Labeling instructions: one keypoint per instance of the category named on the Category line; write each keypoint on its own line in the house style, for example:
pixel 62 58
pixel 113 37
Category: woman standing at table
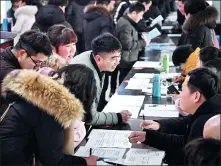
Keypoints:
pixel 198 29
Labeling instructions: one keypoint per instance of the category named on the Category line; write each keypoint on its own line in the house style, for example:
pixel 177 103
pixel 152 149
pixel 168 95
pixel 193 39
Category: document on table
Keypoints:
pixel 143 76
pixel 137 84
pixel 127 100
pixel 156 110
pixel 147 64
pixel 156 20
pixel 134 110
pixel 151 35
pixel 149 91
pixel 141 157
pixel 109 139
pixel 109 153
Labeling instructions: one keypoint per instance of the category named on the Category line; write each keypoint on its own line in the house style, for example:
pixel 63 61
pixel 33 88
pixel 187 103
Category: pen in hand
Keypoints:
pixel 90 151
pixel 143 117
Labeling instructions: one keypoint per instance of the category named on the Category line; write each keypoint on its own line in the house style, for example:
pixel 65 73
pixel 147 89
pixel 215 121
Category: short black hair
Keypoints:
pixel 181 54
pixel 215 66
pixel 105 42
pixel 103 2
pixel 209 53
pixel 34 42
pixel 136 7
pixel 203 80
pixel 183 1
pixel 203 152
pixel 58 2
pixel 146 1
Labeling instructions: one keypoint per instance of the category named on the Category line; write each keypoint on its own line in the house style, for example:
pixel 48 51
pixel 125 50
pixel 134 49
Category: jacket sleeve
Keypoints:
pixel 174 125
pixel 163 141
pixel 19 24
pixel 101 118
pixel 50 140
pixel 127 41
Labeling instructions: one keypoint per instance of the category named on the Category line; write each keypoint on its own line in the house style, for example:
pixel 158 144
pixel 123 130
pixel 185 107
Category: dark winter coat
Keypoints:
pixel 131 44
pixel 75 14
pixel 198 29
pixel 97 20
pixel 37 122
pixel 175 133
pixel 48 16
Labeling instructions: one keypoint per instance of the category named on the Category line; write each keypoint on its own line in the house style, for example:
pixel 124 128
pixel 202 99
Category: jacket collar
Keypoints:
pixel 134 24
pixel 100 74
pixel 8 56
pixel 46 94
pixel 213 105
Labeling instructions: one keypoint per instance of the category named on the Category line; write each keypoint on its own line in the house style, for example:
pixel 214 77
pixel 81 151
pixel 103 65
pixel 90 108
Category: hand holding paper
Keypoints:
pixel 150 35
pixel 149 124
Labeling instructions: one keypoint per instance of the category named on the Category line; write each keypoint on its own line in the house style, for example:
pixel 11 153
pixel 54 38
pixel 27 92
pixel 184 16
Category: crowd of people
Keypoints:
pixel 55 77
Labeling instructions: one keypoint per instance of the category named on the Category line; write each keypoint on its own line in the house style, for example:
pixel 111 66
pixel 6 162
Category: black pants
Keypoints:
pixel 123 73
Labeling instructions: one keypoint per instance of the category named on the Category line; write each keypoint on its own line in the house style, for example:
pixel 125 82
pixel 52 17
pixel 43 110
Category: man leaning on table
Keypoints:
pixel 104 56
pixel 200 98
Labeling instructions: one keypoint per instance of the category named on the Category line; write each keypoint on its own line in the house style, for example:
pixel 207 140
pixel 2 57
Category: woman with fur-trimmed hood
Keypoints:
pixel 38 121
pixel 198 29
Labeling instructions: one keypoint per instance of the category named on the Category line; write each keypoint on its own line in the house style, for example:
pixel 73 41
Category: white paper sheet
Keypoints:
pixel 109 143
pixel 151 35
pixel 101 163
pixel 150 91
pixel 109 153
pixel 166 27
pixel 144 157
pixel 137 84
pixel 147 64
pixel 163 114
pixel 126 100
pixel 109 134
pixel 141 157
pixel 156 20
pixel 118 108
pixel 143 76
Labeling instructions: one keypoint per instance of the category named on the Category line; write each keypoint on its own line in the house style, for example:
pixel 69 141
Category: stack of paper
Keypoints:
pixel 146 64
pixel 119 103
pixel 137 84
pixel 157 110
pixel 109 139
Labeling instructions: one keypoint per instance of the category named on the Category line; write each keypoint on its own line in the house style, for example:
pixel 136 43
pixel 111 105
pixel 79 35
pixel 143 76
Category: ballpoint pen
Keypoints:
pixel 143 117
pixel 90 151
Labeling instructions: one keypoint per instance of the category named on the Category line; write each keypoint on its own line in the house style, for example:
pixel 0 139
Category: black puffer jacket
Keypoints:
pixel 97 20
pixel 36 122
pixel 198 29
pixel 48 16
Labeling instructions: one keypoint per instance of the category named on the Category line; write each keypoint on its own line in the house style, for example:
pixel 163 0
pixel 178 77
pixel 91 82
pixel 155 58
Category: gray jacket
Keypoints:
pixel 98 118
pixel 131 44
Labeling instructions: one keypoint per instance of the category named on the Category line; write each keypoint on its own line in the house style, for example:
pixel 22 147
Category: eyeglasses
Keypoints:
pixel 38 64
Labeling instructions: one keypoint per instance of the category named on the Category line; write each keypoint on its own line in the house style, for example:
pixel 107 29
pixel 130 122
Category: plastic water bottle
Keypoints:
pixel 166 63
pixel 156 86
pixel 5 24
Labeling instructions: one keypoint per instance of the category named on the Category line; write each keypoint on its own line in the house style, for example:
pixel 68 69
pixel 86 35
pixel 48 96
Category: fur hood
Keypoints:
pixel 98 9
pixel 45 93
pixel 26 10
pixel 206 17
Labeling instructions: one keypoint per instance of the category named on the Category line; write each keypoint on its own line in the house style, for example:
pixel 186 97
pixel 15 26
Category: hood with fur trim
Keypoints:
pixel 206 17
pixel 92 12
pixel 45 93
pixel 26 10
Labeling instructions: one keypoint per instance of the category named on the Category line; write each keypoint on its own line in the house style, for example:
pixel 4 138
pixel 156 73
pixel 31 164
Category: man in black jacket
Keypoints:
pixel 200 99
pixel 31 51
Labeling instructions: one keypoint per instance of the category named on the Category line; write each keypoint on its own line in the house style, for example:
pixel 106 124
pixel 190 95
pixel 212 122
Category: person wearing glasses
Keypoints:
pixel 31 52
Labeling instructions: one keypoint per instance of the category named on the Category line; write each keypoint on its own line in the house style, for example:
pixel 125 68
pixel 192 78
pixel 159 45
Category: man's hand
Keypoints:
pixel 149 124
pixel 137 136
pixel 125 116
